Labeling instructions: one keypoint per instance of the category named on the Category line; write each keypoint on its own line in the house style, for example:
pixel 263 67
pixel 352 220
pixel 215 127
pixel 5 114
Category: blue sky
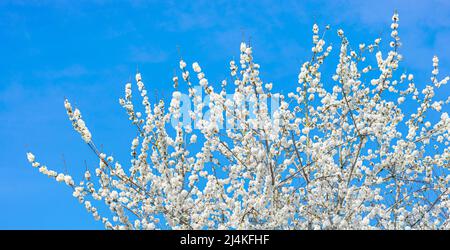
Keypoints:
pixel 87 50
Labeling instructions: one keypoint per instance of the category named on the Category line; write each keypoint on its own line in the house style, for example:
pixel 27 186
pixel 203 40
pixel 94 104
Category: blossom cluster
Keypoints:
pixel 362 148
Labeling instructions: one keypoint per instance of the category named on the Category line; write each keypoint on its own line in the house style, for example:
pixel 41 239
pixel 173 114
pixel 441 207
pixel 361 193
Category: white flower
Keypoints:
pixel 81 124
pixel 30 157
pixel 193 138
pixel 88 205
pixel 138 77
pixel 87 175
pixel 315 29
pixel 176 95
pixel 185 75
pixel 43 170
pixel 436 106
pixel 86 135
pixel 196 67
pixel 60 177
pixel 435 59
pixel 395 17
pixel 305 130
pixel 203 82
pixel 135 143
pixel 182 64
pixel 243 47
pixel 68 180
pixel 114 195
pixel 67 105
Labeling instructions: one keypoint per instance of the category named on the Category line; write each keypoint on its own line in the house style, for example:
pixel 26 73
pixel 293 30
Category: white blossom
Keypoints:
pixel 196 67
pixel 30 157
pixel 363 151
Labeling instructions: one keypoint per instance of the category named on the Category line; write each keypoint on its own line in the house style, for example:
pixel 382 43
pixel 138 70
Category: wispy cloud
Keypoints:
pixel 143 54
pixel 119 30
pixel 72 71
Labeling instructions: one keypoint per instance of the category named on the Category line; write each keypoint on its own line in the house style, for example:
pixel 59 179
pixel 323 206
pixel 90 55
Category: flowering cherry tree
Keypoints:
pixel 357 149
